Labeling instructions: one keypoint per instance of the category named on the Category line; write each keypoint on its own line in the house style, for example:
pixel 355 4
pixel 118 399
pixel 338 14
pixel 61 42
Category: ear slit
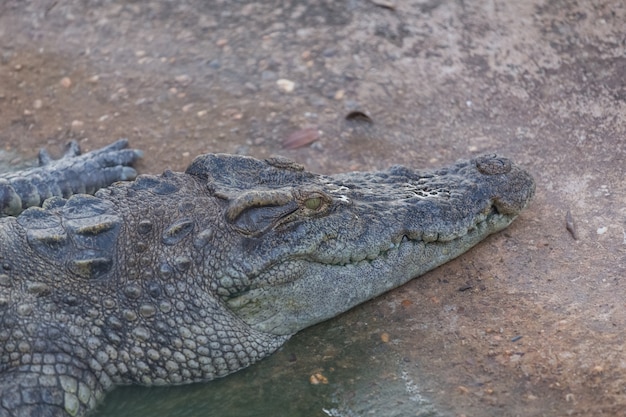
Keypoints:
pixel 257 219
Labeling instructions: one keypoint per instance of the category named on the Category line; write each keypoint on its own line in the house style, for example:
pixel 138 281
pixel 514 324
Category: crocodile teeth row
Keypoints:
pixel 418 236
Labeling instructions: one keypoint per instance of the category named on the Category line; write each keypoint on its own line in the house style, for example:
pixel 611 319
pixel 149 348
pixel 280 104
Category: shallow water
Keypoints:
pixel 361 381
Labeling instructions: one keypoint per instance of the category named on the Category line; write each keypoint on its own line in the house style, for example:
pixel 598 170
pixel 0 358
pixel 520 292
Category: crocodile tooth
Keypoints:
pixel 415 235
pixel 358 257
pixel 430 237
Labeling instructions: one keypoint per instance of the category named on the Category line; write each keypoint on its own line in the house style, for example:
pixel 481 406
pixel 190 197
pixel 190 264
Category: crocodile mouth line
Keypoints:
pixel 483 220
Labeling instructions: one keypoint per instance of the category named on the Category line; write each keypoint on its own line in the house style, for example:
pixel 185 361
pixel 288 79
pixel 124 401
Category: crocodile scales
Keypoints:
pixel 187 277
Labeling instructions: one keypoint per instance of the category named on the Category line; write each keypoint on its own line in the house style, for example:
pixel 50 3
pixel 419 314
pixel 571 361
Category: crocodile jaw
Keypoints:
pixel 321 291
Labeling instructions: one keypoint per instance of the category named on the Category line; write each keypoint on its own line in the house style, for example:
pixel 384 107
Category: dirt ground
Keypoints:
pixel 531 322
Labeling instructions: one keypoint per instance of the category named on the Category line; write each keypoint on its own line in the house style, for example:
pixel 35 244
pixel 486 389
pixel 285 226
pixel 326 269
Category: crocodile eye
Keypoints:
pixel 313 203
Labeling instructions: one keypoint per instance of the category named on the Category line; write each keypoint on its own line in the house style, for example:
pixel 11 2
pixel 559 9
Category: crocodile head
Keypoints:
pixel 304 247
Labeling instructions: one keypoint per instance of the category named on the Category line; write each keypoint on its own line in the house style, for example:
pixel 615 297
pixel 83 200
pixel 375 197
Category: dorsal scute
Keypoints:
pixel 79 232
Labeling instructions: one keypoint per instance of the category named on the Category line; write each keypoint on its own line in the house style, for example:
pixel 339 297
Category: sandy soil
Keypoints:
pixel 529 323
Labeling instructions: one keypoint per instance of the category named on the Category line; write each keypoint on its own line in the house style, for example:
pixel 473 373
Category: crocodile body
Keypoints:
pixel 191 276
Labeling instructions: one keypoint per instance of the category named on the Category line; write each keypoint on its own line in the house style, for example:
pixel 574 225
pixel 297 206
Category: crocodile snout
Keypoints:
pixel 512 187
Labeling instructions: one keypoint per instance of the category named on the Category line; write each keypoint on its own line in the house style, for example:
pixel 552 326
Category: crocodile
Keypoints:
pixel 187 277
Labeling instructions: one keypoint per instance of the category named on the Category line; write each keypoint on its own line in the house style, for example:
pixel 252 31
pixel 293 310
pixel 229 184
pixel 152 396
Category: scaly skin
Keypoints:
pixel 191 276
pixel 72 174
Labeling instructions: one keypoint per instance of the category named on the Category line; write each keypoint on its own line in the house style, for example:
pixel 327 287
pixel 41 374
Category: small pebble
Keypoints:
pixel 317 378
pixel 183 79
pixel 339 94
pixel 66 82
pixel 37 104
pixel 602 230
pixel 286 86
pixel 384 337
pixel 77 124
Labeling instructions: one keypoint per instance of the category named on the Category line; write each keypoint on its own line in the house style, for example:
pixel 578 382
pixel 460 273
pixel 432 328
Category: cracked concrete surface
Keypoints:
pixel 529 323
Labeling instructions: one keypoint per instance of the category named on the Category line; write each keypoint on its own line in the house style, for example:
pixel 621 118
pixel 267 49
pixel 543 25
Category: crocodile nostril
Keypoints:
pixel 493 164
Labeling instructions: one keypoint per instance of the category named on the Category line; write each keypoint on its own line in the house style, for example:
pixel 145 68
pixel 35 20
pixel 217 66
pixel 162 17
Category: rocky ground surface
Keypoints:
pixel 529 323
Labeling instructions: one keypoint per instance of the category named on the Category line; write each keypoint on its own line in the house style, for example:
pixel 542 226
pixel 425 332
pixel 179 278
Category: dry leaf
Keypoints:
pixel 301 138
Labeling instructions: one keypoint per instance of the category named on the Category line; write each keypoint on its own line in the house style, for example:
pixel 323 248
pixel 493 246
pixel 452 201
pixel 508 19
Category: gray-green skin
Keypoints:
pixel 190 276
